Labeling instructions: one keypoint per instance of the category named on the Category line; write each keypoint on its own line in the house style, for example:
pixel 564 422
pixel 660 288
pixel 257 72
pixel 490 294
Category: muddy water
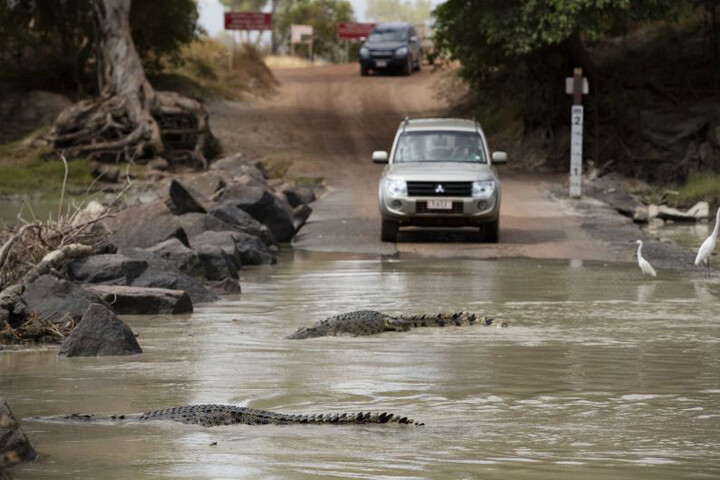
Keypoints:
pixel 602 374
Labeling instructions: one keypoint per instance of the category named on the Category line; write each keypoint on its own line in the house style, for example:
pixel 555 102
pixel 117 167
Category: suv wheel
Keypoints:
pixel 490 231
pixel 389 231
pixel 407 68
pixel 363 70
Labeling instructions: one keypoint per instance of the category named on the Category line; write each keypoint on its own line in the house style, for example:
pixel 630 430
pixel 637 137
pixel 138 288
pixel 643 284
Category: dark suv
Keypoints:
pixel 391 46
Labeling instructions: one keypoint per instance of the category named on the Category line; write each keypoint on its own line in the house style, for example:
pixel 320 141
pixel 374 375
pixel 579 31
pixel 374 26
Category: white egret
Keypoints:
pixel 646 268
pixel 708 246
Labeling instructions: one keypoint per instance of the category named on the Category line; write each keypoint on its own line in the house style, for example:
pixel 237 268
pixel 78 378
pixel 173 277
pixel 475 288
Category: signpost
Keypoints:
pixel 248 21
pixel 354 30
pixel 577 86
pixel 301 34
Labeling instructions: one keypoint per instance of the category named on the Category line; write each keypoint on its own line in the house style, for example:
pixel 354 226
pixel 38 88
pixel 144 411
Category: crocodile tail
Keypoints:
pixel 354 418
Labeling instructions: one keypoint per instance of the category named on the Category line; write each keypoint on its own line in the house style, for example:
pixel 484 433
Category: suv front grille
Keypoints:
pixel 439 189
pixel 382 53
pixel 421 207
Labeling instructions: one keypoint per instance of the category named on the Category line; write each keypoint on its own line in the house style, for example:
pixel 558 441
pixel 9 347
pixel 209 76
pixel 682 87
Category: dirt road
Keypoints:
pixel 328 121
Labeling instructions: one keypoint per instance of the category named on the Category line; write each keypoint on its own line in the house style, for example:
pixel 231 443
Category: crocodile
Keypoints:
pixel 217 415
pixel 371 322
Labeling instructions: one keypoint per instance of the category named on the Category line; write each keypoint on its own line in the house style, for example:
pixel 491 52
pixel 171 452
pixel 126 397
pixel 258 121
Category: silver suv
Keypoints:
pixel 439 173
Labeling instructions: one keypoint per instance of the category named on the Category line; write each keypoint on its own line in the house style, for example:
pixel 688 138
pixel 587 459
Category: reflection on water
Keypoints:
pixel 602 374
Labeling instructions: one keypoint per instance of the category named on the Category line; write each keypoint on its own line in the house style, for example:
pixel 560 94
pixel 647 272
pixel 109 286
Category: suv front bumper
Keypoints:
pixel 382 63
pixel 464 211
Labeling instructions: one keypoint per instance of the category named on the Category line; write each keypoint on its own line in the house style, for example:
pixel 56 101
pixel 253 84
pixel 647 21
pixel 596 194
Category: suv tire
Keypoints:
pixel 389 231
pixel 407 68
pixel 363 71
pixel 490 231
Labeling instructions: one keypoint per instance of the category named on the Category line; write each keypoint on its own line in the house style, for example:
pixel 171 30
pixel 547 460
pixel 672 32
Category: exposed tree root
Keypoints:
pixel 111 128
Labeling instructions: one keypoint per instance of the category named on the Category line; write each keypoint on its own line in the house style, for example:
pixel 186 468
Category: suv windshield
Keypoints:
pixel 440 147
pixel 387 36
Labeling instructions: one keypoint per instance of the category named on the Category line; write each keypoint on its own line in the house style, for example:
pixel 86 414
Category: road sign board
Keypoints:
pixel 576 144
pixel 301 33
pixel 354 30
pixel 248 21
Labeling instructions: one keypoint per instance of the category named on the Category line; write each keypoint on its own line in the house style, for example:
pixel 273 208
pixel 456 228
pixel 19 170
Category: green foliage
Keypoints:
pixel 523 49
pixel 415 12
pixel 323 15
pixel 27 170
pixel 50 44
pixel 699 186
pixel 243 5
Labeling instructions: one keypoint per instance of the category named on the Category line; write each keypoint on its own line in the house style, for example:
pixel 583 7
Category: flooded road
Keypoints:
pixel 602 374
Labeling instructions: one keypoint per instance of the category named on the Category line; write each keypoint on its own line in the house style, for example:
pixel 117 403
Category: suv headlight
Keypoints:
pixel 401 52
pixel 483 189
pixel 396 188
pixel 364 52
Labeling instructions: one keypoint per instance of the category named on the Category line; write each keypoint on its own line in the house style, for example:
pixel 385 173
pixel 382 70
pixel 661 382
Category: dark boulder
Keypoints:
pixel 15 447
pixel 219 262
pixel 228 286
pixel 100 333
pixel 207 184
pixel 175 252
pixel 196 224
pixel 297 195
pixel 238 219
pixel 162 273
pixel 183 199
pixel 300 215
pixel 54 299
pixel 249 249
pixel 144 301
pixel 145 226
pixel 111 268
pixel 263 206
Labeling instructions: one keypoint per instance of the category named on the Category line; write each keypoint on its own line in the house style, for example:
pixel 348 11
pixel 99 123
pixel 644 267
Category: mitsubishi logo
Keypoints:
pixel 439 188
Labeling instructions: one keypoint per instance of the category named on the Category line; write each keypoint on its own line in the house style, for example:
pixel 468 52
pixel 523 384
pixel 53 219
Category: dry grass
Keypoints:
pixel 286 61
pixel 209 69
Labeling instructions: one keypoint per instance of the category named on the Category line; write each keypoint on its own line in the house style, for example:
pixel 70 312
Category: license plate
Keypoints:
pixel 381 63
pixel 439 204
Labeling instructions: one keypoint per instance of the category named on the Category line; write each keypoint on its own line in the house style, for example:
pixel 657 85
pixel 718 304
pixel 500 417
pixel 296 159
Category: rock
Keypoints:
pixel 297 195
pixel 92 211
pixel 249 181
pixel 228 286
pixel 145 226
pixel 104 172
pixel 142 300
pixel 206 184
pixel 4 318
pixel 219 262
pixel 183 199
pixel 15 447
pixel 165 274
pixel 248 249
pixel 231 164
pixel 174 251
pixel 53 299
pixel 159 164
pixel 111 268
pixel 100 333
pixel 300 215
pixel 701 211
pixel 238 219
pixel 264 207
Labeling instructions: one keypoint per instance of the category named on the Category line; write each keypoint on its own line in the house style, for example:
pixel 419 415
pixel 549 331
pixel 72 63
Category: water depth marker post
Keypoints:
pixel 577 85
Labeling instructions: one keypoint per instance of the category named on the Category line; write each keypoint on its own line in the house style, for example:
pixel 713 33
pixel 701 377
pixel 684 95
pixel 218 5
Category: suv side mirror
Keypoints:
pixel 380 156
pixel 499 157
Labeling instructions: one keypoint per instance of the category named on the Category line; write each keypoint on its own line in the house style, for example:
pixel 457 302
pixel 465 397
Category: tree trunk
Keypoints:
pixel 128 119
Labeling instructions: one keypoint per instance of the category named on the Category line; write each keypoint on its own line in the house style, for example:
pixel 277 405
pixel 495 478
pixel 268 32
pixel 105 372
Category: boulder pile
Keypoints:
pixel 161 257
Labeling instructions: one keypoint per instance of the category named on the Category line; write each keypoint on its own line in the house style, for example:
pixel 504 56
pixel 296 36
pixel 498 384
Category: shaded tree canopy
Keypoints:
pixel 244 5
pixel 50 44
pixel 323 15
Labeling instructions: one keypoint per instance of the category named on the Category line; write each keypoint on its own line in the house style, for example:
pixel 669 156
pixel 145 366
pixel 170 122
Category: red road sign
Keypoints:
pixel 248 21
pixel 353 30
